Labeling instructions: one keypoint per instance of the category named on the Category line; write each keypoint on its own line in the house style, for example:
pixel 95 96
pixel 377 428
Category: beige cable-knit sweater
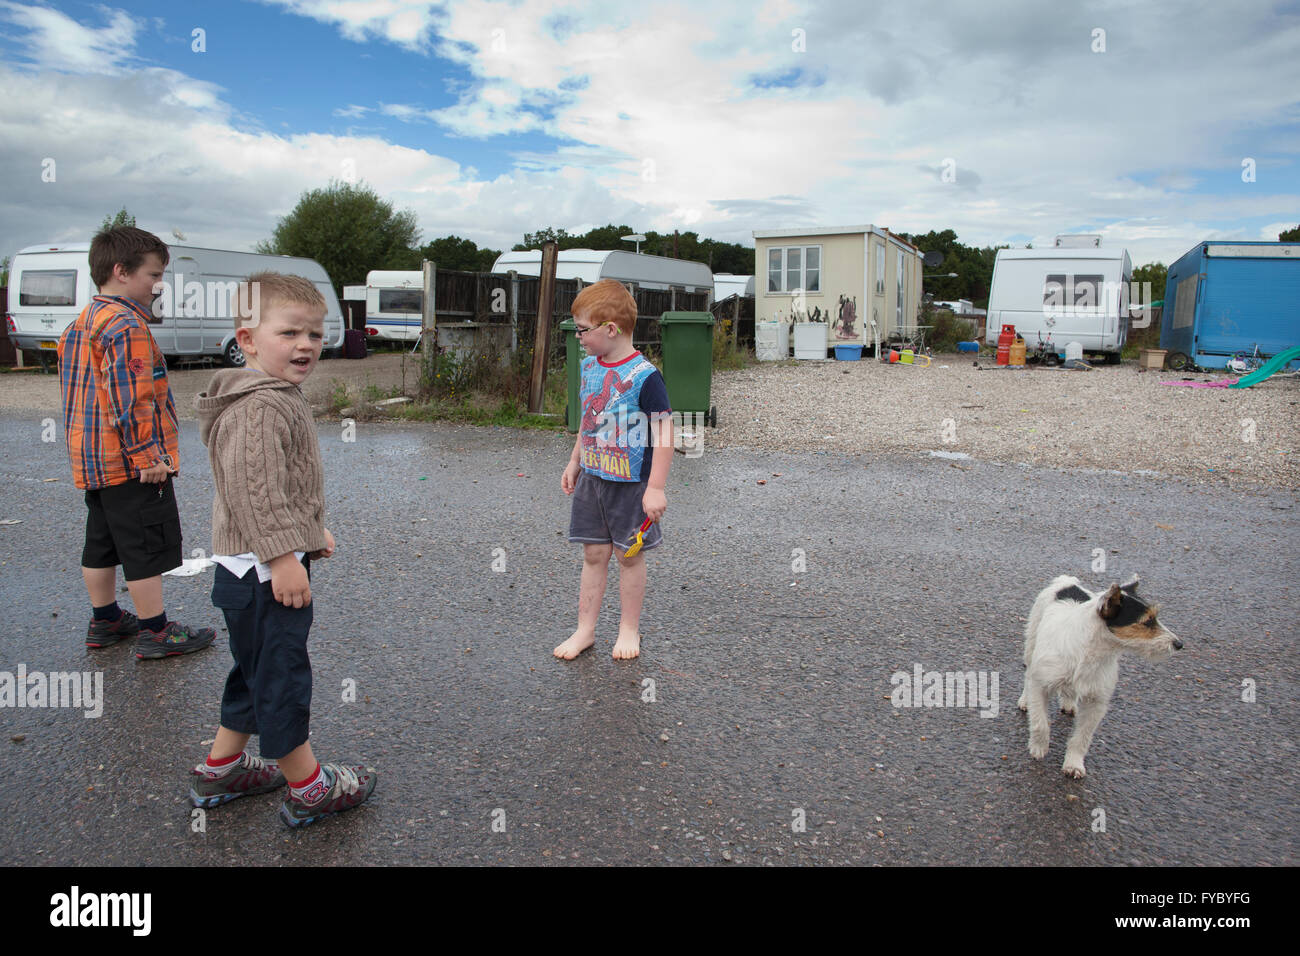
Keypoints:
pixel 270 486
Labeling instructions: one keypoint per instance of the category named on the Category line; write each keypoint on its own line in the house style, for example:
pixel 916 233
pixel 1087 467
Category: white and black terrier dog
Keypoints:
pixel 1072 645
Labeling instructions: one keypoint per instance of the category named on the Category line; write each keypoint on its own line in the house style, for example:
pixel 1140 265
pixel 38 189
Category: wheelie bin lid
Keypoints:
pixel 687 317
pixel 568 324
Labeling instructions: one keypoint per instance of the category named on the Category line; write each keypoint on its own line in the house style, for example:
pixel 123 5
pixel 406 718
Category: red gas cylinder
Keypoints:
pixel 1004 343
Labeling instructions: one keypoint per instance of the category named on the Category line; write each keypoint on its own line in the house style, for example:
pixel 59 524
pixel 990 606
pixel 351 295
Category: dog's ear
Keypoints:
pixel 1131 587
pixel 1110 602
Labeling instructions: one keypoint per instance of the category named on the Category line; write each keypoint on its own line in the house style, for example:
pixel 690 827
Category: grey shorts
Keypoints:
pixel 610 512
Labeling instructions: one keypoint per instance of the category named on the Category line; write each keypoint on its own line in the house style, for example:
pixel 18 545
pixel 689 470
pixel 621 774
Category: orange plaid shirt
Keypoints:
pixel 118 413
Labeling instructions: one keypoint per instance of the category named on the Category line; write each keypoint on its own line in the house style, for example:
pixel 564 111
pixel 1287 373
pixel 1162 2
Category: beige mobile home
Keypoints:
pixel 842 277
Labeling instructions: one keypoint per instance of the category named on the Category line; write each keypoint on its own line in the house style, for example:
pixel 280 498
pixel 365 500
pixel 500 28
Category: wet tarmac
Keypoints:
pixel 757 727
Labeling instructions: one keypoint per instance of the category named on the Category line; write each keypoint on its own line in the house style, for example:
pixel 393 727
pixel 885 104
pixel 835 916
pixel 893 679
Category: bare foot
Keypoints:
pixel 627 646
pixel 575 645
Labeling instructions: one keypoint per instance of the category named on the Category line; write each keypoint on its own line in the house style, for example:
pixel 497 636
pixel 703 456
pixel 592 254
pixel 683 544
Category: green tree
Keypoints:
pixel 453 252
pixel 123 218
pixel 535 240
pixel 1155 273
pixel 1290 235
pixel 349 230
pixel 4 271
pixel 974 267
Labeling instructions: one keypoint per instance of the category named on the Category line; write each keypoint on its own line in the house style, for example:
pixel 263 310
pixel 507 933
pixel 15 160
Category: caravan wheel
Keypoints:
pixel 233 355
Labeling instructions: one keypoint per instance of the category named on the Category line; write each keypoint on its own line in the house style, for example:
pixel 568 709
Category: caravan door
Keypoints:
pixel 188 304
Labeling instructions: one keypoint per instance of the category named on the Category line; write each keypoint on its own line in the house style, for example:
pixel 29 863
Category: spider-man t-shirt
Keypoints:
pixel 618 402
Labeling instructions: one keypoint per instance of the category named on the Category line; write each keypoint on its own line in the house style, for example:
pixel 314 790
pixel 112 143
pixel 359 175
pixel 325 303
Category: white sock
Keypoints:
pixel 222 770
pixel 314 789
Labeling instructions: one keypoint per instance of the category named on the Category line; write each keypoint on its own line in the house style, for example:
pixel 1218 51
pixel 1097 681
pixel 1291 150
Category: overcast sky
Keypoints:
pixel 1009 122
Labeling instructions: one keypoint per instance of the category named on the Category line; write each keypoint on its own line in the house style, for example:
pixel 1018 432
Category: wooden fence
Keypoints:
pixel 8 354
pixel 494 299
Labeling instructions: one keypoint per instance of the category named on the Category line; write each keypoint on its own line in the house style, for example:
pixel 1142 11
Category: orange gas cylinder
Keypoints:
pixel 1004 343
pixel 1017 353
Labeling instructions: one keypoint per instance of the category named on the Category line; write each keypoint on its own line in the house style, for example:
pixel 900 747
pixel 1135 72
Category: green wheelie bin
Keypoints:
pixel 573 356
pixel 686 340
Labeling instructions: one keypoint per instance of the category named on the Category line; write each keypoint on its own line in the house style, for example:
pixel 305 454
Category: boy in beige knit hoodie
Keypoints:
pixel 267 524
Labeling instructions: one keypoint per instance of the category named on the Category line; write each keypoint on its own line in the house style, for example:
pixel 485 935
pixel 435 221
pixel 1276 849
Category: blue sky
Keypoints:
pixel 1008 121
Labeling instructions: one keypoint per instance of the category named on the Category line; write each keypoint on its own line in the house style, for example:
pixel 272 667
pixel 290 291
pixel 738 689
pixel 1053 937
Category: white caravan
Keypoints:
pixel 1062 295
pixel 394 304
pixel 193 314
pixel 725 285
pixel 592 265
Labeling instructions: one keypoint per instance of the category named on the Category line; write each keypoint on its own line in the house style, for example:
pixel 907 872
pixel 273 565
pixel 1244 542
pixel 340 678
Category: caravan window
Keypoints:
pixel 794 267
pixel 401 300
pixel 48 287
pixel 1087 291
pixel 898 306
pixel 812 269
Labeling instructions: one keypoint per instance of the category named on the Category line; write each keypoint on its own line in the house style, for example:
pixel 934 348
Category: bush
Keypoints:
pixel 947 330
pixel 446 376
pixel 725 354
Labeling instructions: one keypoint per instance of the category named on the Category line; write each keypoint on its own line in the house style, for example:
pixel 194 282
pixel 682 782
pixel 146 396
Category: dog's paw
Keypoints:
pixel 1067 709
pixel 1071 769
pixel 1037 750
pixel 1023 704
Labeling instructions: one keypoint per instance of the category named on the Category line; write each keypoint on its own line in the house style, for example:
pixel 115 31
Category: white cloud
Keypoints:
pixel 55 41
pixel 658 123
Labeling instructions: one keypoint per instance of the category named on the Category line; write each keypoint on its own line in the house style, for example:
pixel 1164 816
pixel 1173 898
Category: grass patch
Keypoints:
pixel 727 356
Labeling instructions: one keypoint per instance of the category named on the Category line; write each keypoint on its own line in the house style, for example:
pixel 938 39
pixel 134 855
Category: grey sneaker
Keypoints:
pixel 107 633
pixel 171 640
pixel 250 775
pixel 344 788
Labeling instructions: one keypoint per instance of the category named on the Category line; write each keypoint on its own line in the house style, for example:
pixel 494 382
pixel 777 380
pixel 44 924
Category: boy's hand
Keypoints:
pixel 289 581
pixel 569 480
pixel 328 550
pixel 154 475
pixel 654 503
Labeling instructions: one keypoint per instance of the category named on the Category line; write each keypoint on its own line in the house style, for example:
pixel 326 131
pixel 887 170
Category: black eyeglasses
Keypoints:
pixel 579 331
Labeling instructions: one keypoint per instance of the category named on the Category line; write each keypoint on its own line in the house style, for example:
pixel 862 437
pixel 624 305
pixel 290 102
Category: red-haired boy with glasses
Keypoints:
pixel 619 468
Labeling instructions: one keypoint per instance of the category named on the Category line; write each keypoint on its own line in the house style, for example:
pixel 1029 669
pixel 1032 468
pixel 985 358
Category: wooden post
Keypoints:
pixel 542 338
pixel 514 312
pixel 735 323
pixel 429 312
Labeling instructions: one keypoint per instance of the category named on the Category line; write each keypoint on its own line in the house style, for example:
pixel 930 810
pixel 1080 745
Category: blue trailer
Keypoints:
pixel 1222 298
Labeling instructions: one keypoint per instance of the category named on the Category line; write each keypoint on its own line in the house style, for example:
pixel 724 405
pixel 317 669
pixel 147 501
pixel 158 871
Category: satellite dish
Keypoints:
pixel 178 234
pixel 932 260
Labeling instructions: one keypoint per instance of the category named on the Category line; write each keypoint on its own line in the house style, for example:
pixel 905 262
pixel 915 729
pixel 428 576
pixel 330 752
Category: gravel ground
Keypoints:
pixel 1112 418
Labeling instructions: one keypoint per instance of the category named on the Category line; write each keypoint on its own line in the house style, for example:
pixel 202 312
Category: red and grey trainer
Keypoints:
pixel 347 787
pixel 249 775
pixel 107 633
pixel 172 640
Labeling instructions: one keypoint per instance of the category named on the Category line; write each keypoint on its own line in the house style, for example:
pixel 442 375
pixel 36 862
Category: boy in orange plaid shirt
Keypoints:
pixel 121 429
